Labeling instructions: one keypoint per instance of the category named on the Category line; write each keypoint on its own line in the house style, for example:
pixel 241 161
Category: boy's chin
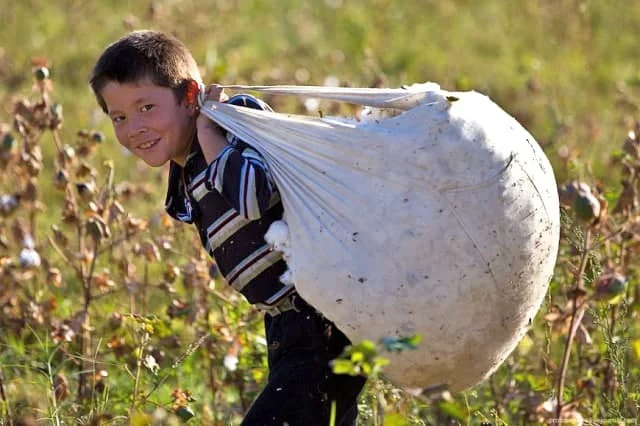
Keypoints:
pixel 154 162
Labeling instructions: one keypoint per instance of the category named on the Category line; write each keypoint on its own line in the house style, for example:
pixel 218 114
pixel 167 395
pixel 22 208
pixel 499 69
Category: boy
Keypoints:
pixel 148 82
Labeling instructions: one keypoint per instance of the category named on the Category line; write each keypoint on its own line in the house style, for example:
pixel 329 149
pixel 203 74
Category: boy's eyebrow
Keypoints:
pixel 138 101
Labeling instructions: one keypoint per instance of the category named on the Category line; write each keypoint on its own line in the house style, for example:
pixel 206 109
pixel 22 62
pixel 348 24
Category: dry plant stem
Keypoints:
pixel 85 336
pixel 58 142
pixel 609 375
pixel 113 244
pixel 496 397
pixel 212 378
pixel 136 383
pixel 54 400
pixel 145 288
pixel 32 223
pixel 66 259
pixel 576 318
pixel 164 378
pixel 3 396
pixel 610 379
pixel 206 306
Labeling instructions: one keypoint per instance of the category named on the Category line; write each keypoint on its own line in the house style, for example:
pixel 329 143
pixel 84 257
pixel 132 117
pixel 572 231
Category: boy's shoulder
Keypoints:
pixel 249 101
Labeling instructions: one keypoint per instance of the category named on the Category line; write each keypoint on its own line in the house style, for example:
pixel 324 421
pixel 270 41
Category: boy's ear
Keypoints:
pixel 191 95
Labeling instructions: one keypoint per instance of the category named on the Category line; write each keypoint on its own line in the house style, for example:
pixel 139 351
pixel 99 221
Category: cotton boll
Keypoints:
pixel 151 363
pixel 277 235
pixel 286 253
pixel 8 203
pixel 29 258
pixel 231 362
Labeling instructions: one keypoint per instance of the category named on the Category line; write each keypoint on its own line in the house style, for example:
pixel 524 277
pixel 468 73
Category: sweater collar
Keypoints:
pixel 177 202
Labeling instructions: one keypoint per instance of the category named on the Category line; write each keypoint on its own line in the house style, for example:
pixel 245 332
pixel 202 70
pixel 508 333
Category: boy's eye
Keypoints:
pixel 117 118
pixel 146 108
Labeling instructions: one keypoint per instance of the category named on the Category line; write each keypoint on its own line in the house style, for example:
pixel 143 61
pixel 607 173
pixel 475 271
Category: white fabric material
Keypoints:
pixel 442 221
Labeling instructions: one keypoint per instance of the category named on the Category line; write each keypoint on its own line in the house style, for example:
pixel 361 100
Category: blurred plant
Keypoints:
pixel 104 252
pixel 363 359
pixel 116 313
pixel 591 228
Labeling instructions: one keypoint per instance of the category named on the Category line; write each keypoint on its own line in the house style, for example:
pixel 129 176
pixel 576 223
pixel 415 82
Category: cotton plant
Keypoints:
pixel 29 257
pixel 8 203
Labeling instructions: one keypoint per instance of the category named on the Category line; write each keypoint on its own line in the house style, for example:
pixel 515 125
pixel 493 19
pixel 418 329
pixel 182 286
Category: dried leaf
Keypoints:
pixel 103 281
pixel 59 237
pixel 150 251
pixel 97 229
pixel 54 277
pixel 60 387
pixel 83 170
pixel 134 225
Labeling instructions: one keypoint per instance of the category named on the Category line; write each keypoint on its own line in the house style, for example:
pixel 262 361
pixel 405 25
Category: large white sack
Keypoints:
pixel 442 221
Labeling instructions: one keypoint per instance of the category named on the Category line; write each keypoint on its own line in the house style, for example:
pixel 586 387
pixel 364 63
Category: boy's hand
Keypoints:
pixel 213 92
pixel 211 137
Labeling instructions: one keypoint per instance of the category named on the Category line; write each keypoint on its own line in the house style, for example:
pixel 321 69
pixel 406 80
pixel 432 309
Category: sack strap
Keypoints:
pixel 403 98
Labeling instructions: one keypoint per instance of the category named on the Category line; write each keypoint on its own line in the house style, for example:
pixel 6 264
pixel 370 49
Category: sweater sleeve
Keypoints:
pixel 242 178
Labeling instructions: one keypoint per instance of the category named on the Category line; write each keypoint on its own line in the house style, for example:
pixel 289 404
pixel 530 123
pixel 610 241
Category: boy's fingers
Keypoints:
pixel 216 93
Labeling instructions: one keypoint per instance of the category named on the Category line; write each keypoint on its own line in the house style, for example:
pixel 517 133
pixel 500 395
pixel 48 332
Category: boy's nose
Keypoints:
pixel 136 127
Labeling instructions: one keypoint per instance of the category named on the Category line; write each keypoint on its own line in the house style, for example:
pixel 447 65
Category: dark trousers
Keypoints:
pixel 301 385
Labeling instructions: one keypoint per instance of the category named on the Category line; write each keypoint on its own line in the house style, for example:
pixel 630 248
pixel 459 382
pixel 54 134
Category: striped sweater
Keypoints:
pixel 232 202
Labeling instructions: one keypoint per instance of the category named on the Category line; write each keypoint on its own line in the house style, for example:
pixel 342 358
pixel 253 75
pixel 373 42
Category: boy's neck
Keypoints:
pixel 182 159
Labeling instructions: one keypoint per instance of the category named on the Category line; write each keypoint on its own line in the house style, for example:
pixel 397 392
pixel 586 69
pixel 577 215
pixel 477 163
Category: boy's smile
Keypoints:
pixel 149 121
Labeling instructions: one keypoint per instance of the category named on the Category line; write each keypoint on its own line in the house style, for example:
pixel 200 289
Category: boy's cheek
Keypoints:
pixel 121 138
pixel 127 147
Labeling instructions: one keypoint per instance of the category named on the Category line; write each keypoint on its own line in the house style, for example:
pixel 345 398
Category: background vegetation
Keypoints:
pixel 116 319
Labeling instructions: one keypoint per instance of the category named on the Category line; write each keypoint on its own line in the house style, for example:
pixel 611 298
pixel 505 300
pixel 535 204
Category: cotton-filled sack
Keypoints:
pixel 441 221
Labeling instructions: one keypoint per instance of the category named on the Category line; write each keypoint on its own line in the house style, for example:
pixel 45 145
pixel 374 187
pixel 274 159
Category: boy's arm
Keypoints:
pixel 239 175
pixel 211 137
pixel 212 143
pixel 243 180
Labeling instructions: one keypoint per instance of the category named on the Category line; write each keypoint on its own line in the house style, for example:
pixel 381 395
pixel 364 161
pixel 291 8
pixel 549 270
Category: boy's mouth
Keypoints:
pixel 148 145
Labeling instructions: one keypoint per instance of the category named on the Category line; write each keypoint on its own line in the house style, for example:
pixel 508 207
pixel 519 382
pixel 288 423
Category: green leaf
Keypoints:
pixel 395 419
pixel 380 362
pixel 342 366
pixel 525 345
pixel 399 344
pixel 367 346
pixel 453 410
pixel 140 419
pixel 357 357
pixel 636 348
pixel 414 340
pixel 332 419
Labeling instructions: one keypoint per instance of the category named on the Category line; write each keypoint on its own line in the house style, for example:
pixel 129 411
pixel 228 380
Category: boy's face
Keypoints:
pixel 149 121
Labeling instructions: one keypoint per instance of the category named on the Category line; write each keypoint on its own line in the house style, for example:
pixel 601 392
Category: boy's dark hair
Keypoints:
pixel 161 58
